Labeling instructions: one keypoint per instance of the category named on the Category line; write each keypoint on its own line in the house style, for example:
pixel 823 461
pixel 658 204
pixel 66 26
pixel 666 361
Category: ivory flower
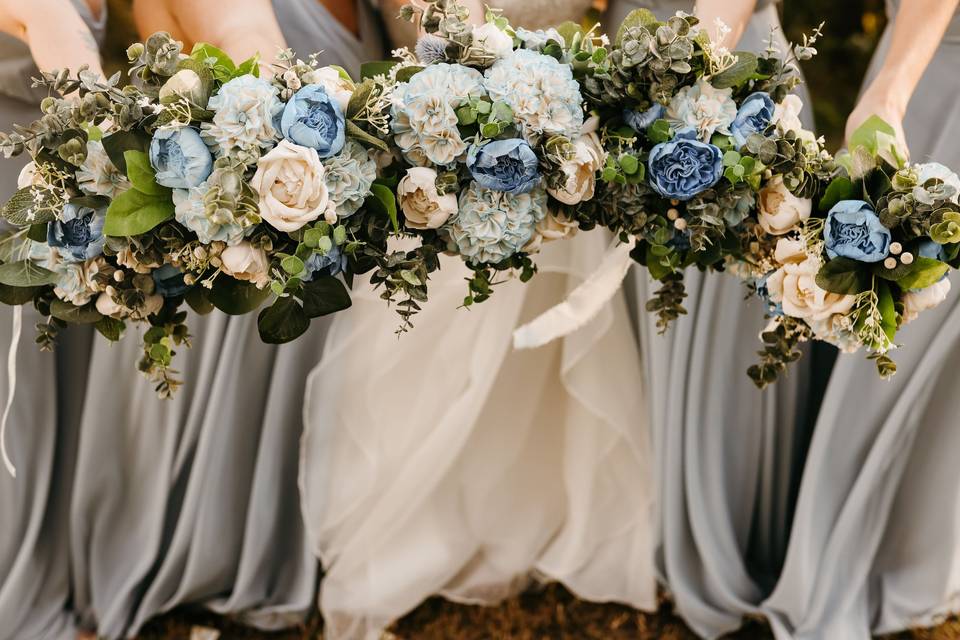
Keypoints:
pixel 290 181
pixel 422 206
pixel 580 172
pixel 916 302
pixel 243 261
pixel 780 210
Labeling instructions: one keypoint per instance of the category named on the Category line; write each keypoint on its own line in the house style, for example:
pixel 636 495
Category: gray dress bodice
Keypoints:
pixel 309 27
pixel 17 66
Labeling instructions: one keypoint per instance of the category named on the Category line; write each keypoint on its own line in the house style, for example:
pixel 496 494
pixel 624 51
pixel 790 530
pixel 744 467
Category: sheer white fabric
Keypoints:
pixel 443 462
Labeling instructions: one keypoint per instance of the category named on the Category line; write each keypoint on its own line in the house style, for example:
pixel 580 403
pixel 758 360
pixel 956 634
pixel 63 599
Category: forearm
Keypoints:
pixel 241 29
pixel 63 42
pixel 917 30
pixel 734 13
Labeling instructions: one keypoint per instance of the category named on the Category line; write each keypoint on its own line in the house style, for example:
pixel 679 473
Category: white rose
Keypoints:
pixel 703 107
pixel 580 172
pixel 108 307
pixel 780 210
pixel 794 286
pixel 245 262
pixel 184 83
pixel 28 176
pixel 151 305
pixel 290 181
pixel 554 226
pixel 916 302
pixel 790 250
pixel 336 86
pixel 492 40
pixel 422 206
pixel 787 116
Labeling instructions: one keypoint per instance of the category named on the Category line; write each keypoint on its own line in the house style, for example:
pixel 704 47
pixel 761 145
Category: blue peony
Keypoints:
pixel 682 168
pixel 180 157
pixel 854 231
pixel 330 263
pixel 313 119
pixel 933 250
pixel 640 120
pixel 504 165
pixel 169 281
pixel 754 116
pixel 78 235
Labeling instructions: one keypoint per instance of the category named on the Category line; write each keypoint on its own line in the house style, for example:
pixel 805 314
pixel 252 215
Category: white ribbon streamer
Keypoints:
pixel 11 387
pixel 583 303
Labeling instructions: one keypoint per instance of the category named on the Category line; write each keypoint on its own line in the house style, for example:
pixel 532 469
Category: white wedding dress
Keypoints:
pixel 444 462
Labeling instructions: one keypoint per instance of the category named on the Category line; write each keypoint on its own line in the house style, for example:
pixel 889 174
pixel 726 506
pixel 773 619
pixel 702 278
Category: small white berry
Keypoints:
pixel 680 224
pixel 672 213
pixel 906 258
pixel 896 248
pixel 118 275
pixel 890 263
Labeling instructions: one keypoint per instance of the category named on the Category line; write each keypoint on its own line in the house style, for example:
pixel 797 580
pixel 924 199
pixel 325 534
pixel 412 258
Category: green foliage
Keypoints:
pixel 636 18
pixel 27 207
pixel 221 65
pixel 110 328
pixel 72 314
pixel 236 297
pixel 659 131
pixel 324 295
pixel 117 144
pixel 843 276
pixel 142 207
pixel 922 273
pixel 361 136
pixel 14 296
pixel 840 188
pixel 283 321
pixel 383 201
pixel 373 69
pixel 25 273
pixel 741 71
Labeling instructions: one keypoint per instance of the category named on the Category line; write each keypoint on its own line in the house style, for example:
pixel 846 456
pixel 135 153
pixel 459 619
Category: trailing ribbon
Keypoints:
pixel 11 387
pixel 583 303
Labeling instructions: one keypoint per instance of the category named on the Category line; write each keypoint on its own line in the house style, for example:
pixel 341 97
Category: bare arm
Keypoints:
pixel 734 13
pixel 240 27
pixel 917 30
pixel 56 34
pixel 404 34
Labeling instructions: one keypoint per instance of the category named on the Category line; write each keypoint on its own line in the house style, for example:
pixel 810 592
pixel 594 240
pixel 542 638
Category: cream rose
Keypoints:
pixel 243 261
pixel 290 181
pixel 108 307
pixel 492 40
pixel 422 206
pixel 916 302
pixel 780 210
pixel 794 286
pixel 554 226
pixel 29 177
pixel 580 172
pixel 336 86
pixel 185 83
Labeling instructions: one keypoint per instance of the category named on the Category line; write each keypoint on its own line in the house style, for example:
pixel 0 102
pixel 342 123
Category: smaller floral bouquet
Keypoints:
pixel 199 183
pixel 872 256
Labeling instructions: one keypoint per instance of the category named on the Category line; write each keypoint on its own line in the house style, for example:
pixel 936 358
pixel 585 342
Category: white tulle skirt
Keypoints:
pixel 444 462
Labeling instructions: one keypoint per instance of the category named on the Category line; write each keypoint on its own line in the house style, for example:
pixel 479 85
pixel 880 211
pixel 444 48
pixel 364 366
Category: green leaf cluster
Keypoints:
pixel 142 207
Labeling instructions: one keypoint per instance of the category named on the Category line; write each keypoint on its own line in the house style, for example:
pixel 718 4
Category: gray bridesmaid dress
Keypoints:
pixel 195 500
pixel 726 451
pixel 41 432
pixel 876 535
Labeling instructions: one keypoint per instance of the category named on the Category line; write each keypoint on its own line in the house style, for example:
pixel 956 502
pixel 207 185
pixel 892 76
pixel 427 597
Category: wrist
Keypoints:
pixel 892 90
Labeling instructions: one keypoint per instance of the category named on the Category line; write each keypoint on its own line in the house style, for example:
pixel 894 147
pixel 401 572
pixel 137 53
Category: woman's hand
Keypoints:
pixel 879 100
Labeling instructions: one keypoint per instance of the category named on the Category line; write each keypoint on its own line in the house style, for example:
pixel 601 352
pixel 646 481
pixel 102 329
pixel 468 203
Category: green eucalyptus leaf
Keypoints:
pixel 72 314
pixel 739 73
pixel 840 188
pixel 324 295
pixel 404 74
pixel 25 273
pixel 355 132
pixel 385 201
pixel 843 276
pixel 282 322
pixel 887 308
pixel 568 30
pixel 13 296
pixel 372 69
pixel 359 97
pixel 236 297
pixel 636 18
pixel 110 328
pixel 659 131
pixel 199 300
pixel 22 209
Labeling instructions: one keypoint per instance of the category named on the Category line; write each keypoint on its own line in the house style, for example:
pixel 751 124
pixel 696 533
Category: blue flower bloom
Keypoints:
pixel 754 116
pixel 313 119
pixel 169 281
pixel 763 292
pixel 180 157
pixel 640 120
pixel 682 168
pixel 504 165
pixel 78 235
pixel 931 249
pixel 854 231
pixel 330 263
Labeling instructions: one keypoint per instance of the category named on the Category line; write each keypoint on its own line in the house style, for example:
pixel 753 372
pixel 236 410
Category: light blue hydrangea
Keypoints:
pixel 541 91
pixel 189 210
pixel 246 114
pixel 423 113
pixel 491 225
pixel 348 178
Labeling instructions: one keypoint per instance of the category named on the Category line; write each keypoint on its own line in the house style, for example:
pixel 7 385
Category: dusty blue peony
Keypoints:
pixel 682 168
pixel 754 116
pixel 330 263
pixel 169 281
pixel 640 120
pixel 504 165
pixel 78 235
pixel 313 119
pixel 854 231
pixel 180 157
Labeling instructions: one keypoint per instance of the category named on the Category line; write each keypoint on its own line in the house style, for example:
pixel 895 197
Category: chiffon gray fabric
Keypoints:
pixel 876 538
pixel 194 500
pixel 41 432
pixel 725 450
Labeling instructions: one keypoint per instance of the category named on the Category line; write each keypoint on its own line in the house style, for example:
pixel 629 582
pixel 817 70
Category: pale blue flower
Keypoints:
pixel 539 38
pixel 169 281
pixel 854 231
pixel 330 263
pixel 246 113
pixel 932 250
pixel 313 119
pixel 754 116
pixel 180 157
pixel 683 168
pixel 78 234
pixel 348 177
pixel 639 121
pixel 541 91
pixel 190 211
pixel 492 225
pixel 504 165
